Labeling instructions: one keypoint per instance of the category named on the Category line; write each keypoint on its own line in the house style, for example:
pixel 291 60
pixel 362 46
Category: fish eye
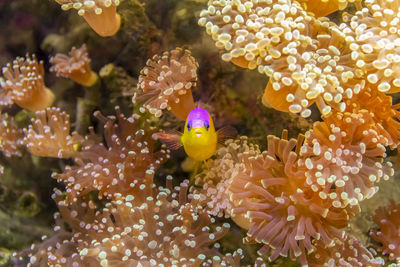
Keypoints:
pixel 189 126
pixel 207 125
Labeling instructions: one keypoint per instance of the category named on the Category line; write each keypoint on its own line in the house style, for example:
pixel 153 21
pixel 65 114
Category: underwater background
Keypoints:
pixel 77 133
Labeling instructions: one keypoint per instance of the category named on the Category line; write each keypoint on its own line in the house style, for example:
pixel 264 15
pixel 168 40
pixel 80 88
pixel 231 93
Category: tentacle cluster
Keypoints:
pixel 119 166
pixel 166 82
pixel 343 157
pixel 281 213
pixel 49 135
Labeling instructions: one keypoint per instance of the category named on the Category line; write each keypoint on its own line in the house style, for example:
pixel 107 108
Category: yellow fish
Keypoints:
pixel 199 138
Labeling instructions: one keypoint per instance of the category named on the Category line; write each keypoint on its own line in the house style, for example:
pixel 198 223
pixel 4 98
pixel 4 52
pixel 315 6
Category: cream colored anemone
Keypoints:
pixel 166 82
pixel 321 8
pixel 101 15
pixel 22 83
pixel 75 65
pixel 374 33
pixel 307 58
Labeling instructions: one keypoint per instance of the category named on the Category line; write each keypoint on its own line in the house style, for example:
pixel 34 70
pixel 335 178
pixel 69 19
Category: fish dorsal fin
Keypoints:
pixel 171 138
pixel 225 133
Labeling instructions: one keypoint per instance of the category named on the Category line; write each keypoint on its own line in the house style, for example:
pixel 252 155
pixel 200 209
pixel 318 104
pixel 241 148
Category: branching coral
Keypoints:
pixel 388 220
pixel 374 35
pixel 284 215
pixel 49 135
pixel 101 15
pixel 75 65
pixel 22 83
pixel 307 59
pixel 10 136
pixel 346 252
pixel 217 175
pixel 120 166
pixel 166 82
pixel 344 158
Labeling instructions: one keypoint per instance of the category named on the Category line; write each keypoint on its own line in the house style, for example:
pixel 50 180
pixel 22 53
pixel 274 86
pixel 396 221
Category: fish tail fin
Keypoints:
pixel 171 138
pixel 225 133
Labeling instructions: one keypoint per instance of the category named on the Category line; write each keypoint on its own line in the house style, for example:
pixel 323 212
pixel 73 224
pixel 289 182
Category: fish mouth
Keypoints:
pixel 197 132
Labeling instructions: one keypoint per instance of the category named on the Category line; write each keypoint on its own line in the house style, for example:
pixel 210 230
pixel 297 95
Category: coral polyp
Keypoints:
pixel 23 83
pixel 75 65
pixel 166 82
pixel 101 15
pixel 49 135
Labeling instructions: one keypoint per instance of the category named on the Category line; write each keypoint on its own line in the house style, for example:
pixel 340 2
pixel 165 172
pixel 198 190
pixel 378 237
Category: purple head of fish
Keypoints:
pixel 197 118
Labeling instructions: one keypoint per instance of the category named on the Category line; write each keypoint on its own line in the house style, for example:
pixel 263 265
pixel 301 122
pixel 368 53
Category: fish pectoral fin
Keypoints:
pixel 225 133
pixel 172 139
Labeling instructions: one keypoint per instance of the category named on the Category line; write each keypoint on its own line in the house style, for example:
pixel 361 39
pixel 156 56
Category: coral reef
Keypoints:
pixel 120 197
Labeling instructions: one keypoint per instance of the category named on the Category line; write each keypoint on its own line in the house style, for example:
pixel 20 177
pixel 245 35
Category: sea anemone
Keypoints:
pixel 343 157
pixel 388 220
pixel 217 174
pixel 166 82
pixel 385 114
pixel 307 59
pixel 101 15
pixel 75 65
pixel 61 248
pixel 22 83
pixel 165 229
pixel 346 252
pixel 10 136
pixel 284 216
pixel 120 166
pixel 162 229
pixel 374 36
pixel 57 250
pixel 49 135
pixel 322 8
